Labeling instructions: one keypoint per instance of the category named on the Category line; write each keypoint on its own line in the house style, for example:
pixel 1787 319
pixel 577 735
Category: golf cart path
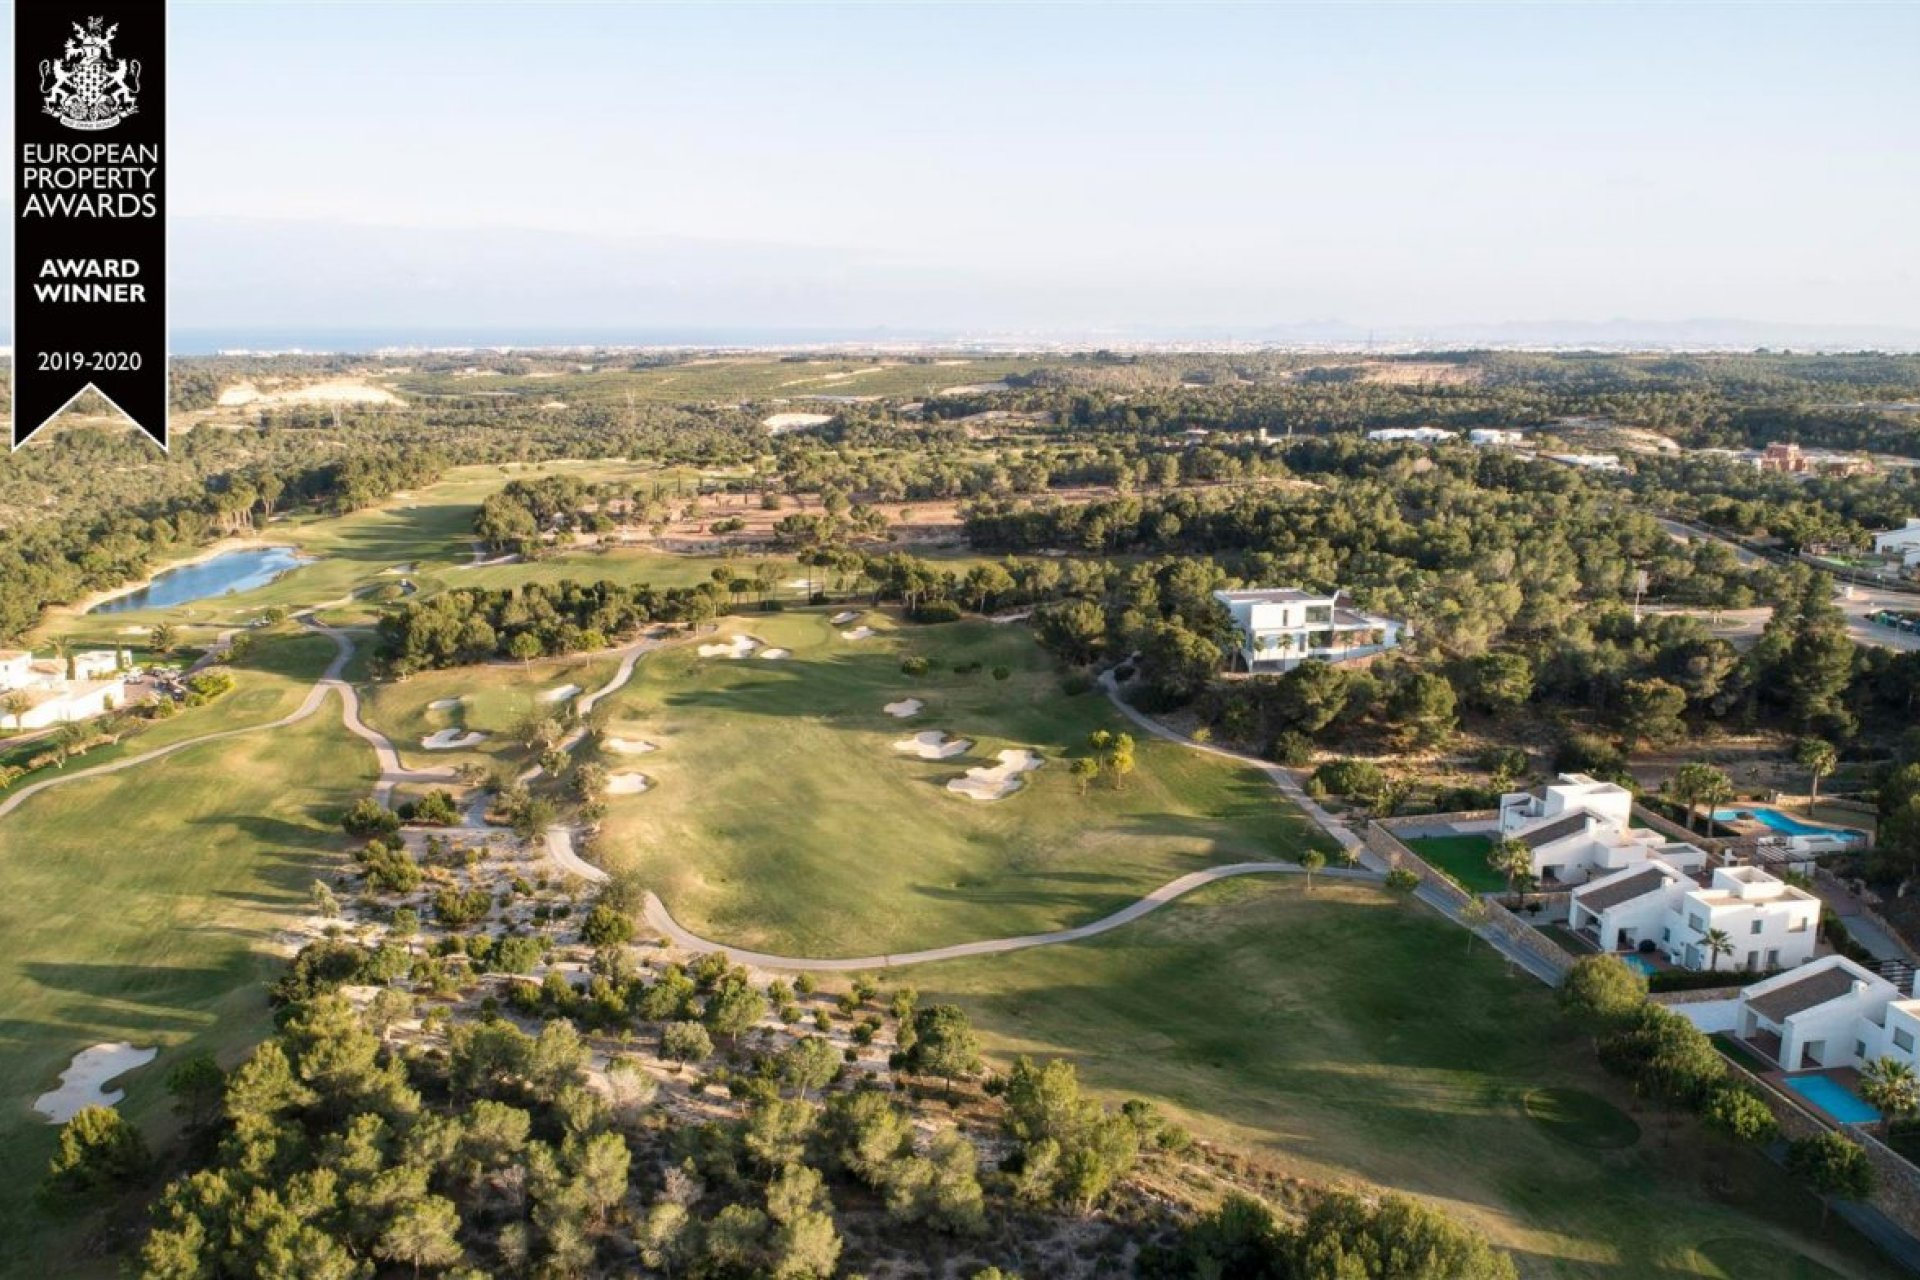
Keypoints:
pixel 328 681
pixel 393 771
pixel 658 917
pixel 1289 786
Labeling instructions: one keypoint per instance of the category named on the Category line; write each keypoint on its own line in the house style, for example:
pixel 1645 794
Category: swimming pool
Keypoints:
pixel 1833 1098
pixel 1786 823
pixel 1636 961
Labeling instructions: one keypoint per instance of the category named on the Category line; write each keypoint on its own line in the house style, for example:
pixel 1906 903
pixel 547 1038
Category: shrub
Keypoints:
pixel 1002 673
pixel 1402 880
pixel 1077 683
pixel 1292 749
pixel 915 666
pixel 933 611
pixel 1588 753
pixel 1355 779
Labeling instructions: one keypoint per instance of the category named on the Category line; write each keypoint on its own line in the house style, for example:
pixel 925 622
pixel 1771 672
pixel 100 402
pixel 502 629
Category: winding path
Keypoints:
pixel 329 680
pixel 656 915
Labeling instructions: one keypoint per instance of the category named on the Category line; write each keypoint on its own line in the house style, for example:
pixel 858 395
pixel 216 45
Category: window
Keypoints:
pixel 1755 928
pixel 1860 1050
pixel 1903 1040
pixel 1696 921
pixel 1666 935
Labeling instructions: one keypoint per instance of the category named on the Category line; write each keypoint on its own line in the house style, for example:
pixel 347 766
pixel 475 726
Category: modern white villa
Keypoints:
pixel 1580 829
pixel 1903 542
pixel 1485 436
pixel 1831 1013
pixel 97 685
pixel 1760 921
pixel 1412 435
pixel 1281 627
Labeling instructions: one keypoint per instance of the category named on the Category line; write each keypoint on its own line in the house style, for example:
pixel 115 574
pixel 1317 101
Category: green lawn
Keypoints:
pixel 139 906
pixel 1464 858
pixel 1349 1034
pixel 495 699
pixel 269 682
pixel 782 818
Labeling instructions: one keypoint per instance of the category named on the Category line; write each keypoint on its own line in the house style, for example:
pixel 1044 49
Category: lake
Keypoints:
pixel 222 575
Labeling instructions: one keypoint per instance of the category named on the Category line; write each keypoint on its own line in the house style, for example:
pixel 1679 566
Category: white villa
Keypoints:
pixel 1281 627
pixel 1831 1013
pixel 1412 435
pixel 1903 542
pixel 1580 829
pixel 97 687
pixel 1496 436
pixel 1769 923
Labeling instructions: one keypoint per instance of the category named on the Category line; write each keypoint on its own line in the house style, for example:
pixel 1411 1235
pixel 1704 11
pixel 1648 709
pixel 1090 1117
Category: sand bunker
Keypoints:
pixel 561 694
pixel 444 704
pixel 338 391
pixel 781 423
pixel 1000 781
pixel 904 708
pixel 858 633
pixel 399 568
pixel 735 647
pixel 776 654
pixel 933 744
pixel 80 1083
pixel 626 746
pixel 451 740
pixel 627 784
pixel 838 619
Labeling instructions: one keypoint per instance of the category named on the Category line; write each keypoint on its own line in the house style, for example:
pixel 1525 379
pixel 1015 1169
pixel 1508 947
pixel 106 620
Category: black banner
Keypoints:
pixel 89 229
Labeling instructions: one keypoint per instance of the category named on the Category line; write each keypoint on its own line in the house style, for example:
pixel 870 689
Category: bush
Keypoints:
pixel 936 611
pixel 915 666
pixel 1291 749
pixel 1077 683
pixel 1002 673
pixel 1402 880
pixel 1355 779
pixel 1588 753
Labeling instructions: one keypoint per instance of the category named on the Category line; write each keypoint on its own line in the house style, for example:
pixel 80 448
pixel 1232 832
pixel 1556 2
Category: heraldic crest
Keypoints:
pixel 85 88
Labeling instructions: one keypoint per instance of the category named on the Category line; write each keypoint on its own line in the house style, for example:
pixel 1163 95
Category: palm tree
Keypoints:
pixel 1818 757
pixel 1893 1086
pixel 16 703
pixel 1510 858
pixel 1718 944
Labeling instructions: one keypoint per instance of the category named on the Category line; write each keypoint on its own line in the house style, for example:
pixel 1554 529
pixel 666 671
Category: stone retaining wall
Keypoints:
pixel 1896 1181
pixel 1396 854
pixel 1529 939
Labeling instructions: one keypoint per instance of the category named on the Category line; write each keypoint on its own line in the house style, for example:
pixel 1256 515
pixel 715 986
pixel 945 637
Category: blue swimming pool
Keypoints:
pixel 1636 961
pixel 1833 1098
pixel 1786 823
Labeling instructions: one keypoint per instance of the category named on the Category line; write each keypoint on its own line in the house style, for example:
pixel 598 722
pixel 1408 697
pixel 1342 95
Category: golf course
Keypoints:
pixel 799 797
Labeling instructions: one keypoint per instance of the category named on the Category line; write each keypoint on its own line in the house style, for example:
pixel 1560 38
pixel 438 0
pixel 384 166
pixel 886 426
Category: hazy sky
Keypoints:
pixel 1061 166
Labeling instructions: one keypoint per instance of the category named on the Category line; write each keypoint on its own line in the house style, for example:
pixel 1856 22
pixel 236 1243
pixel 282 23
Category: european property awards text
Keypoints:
pixel 88 179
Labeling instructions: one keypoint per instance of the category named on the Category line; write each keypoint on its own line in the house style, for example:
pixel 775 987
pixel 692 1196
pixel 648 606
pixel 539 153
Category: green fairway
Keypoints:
pixel 269 682
pixel 1348 1033
pixel 783 819
pixel 140 906
pixel 1464 858
pixel 495 699
pixel 1584 1119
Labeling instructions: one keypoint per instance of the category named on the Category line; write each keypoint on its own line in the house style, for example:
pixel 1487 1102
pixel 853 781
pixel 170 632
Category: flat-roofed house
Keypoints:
pixel 1903 542
pixel 1281 627
pixel 1831 1013
pixel 1579 828
pixel 1766 922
